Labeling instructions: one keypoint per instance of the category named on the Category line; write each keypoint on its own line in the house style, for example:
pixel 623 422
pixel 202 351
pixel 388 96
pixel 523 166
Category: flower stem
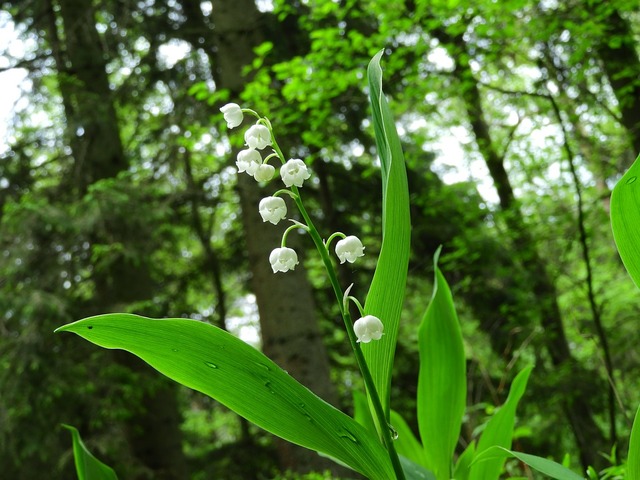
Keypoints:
pixel 362 363
pixel 346 316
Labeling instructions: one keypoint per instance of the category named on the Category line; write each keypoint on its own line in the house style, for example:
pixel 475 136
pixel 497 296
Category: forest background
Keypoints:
pixel 118 192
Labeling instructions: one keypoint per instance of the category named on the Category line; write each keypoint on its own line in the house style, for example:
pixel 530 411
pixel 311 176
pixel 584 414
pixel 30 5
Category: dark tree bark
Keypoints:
pixel 153 432
pixel 289 327
pixel 589 438
pixel 617 50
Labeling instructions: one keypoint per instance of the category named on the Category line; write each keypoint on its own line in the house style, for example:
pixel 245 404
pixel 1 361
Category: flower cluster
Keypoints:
pixel 293 173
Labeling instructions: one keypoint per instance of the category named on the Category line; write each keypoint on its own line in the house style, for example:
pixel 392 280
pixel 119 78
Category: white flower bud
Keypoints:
pixel 349 248
pixel 294 172
pixel 368 328
pixel 283 259
pixel 257 137
pixel 272 209
pixel 248 161
pixel 232 114
pixel 264 173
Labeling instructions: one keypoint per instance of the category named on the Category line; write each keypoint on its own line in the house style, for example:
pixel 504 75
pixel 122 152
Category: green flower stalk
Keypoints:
pixel 367 328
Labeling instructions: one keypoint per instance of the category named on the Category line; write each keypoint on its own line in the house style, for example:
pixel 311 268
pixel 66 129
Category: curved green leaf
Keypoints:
pixel 542 465
pixel 442 380
pixel 212 361
pixel 463 465
pixel 633 459
pixel 362 413
pixel 407 444
pixel 499 430
pixel 625 219
pixel 386 293
pixel 413 471
pixel 88 467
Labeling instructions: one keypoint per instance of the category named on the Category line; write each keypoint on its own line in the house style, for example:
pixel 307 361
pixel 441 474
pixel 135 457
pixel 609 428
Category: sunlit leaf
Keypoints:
pixel 442 380
pixel 212 361
pixel 625 219
pixel 542 465
pixel 88 467
pixel 499 431
pixel 386 293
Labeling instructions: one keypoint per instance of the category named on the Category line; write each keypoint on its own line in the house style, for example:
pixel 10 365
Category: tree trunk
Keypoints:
pixel 289 327
pixel 589 438
pixel 617 50
pixel 154 430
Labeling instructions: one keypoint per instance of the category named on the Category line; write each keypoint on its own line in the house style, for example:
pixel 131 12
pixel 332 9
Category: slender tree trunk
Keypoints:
pixel 289 327
pixel 154 431
pixel 589 437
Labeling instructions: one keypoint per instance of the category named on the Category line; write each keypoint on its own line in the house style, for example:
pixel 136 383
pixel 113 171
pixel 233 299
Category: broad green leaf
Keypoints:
pixel 88 467
pixel 633 460
pixel 386 293
pixel 362 413
pixel 499 430
pixel 463 464
pixel 442 379
pixel 542 465
pixel 214 362
pixel 625 219
pixel 413 471
pixel 407 444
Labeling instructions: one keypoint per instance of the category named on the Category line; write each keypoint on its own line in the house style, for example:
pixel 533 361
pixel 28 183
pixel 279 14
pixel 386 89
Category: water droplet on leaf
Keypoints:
pixel 394 432
pixel 344 433
pixel 211 365
pixel 268 385
pixel 263 366
pixel 631 180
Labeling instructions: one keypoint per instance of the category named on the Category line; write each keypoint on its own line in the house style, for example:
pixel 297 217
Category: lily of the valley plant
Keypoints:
pixel 376 442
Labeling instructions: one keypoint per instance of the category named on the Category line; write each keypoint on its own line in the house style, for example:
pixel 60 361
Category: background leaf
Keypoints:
pixel 413 471
pixel 499 430
pixel 88 467
pixel 386 293
pixel 633 459
pixel 407 444
pixel 625 219
pixel 212 361
pixel 542 465
pixel 463 464
pixel 442 380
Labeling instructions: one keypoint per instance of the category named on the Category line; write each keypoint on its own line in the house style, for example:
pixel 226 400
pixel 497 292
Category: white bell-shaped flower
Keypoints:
pixel 264 173
pixel 368 328
pixel 232 114
pixel 283 259
pixel 349 248
pixel 257 137
pixel 272 209
pixel 248 161
pixel 294 172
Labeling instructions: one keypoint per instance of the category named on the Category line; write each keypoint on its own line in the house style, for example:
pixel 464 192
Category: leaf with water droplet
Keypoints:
pixel 234 373
pixel 344 433
pixel 393 431
pixel 631 180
